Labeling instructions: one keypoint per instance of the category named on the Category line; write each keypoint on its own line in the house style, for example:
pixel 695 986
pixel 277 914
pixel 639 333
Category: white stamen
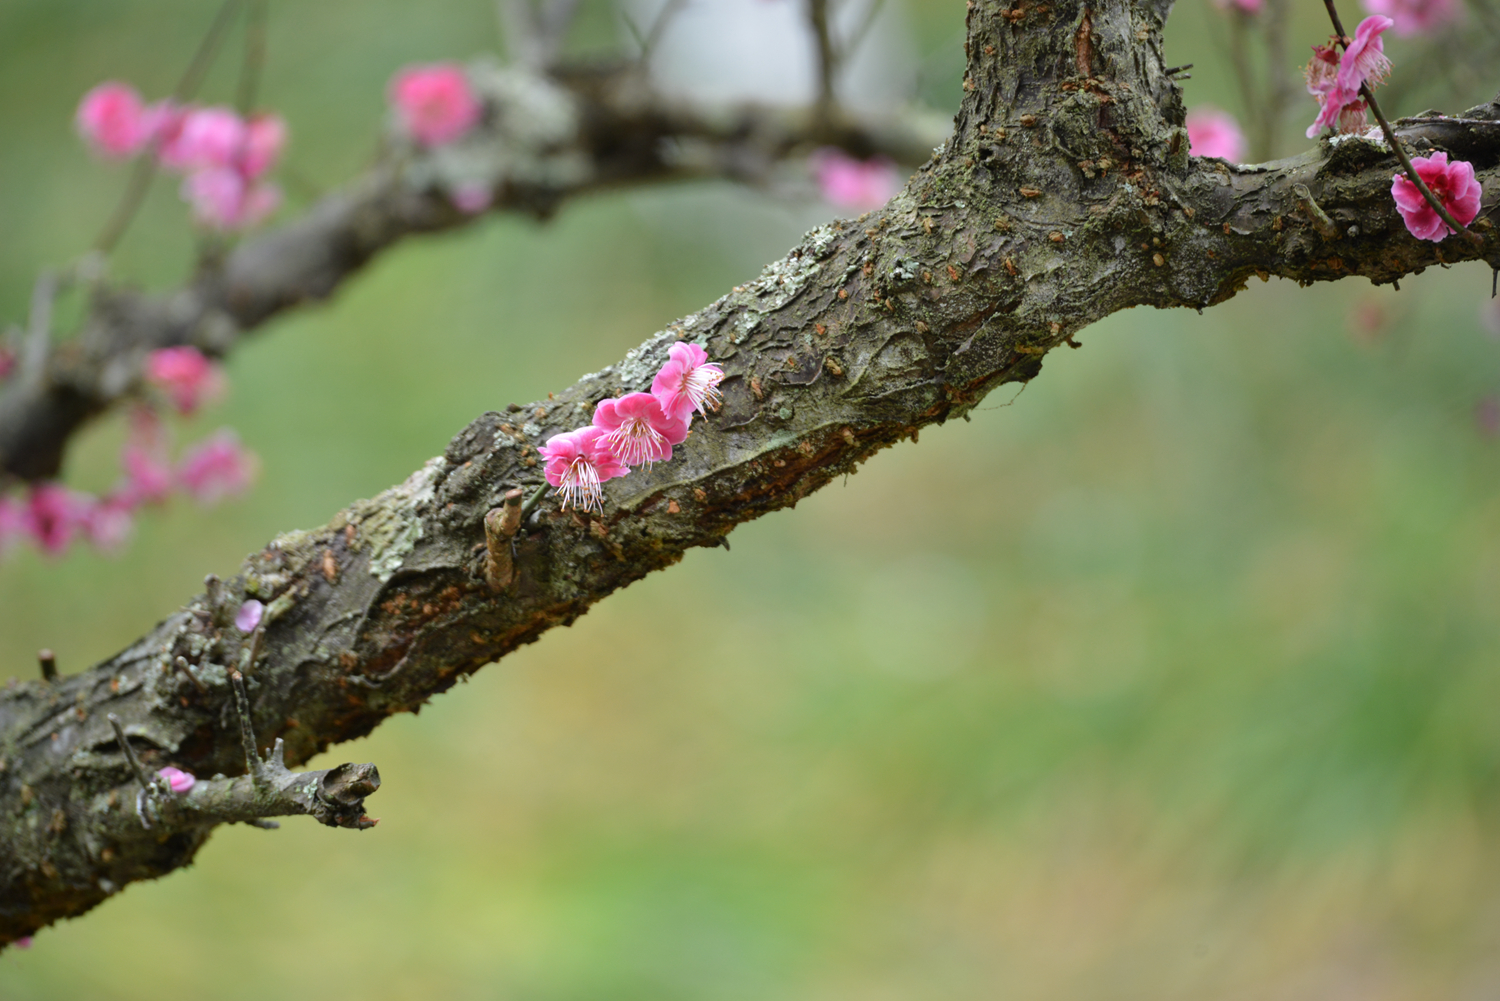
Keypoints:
pixel 635 441
pixel 580 486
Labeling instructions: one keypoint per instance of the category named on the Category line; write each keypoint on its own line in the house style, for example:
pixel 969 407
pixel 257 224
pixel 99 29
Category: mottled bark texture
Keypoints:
pixel 1065 194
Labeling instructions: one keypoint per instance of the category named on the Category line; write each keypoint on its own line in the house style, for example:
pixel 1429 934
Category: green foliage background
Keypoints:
pixel 1175 677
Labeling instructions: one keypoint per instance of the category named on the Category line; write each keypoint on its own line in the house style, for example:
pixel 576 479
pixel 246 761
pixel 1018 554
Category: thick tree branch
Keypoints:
pixel 1065 194
pixel 546 137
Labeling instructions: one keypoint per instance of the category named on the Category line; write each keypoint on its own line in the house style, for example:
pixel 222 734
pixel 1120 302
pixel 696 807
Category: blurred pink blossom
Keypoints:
pixel 265 137
pixel 179 780
pixel 54 515
pixel 203 139
pixel 577 463
pixel 638 430
pixel 112 120
pixel 1454 185
pixel 7 362
pixel 435 103
pixel 687 382
pixel 216 467
pixel 471 199
pixel 1416 17
pixel 225 199
pixel 185 376
pixel 13 523
pixel 248 617
pixel 23 943
pixel 859 185
pixel 107 523
pixel 1248 6
pixel 1212 132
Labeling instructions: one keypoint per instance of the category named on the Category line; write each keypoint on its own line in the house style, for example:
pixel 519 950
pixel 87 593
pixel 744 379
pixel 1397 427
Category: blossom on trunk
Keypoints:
pixel 848 183
pixel 687 382
pixel 179 780
pixel 112 119
pixel 1454 184
pixel 638 430
pixel 248 617
pixel 186 377
pixel 577 464
pixel 1416 17
pixel 216 467
pixel 1212 132
pixel 435 103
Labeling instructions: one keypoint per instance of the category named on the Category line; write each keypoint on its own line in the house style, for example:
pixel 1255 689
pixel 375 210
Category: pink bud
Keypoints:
pixel 23 943
pixel 435 103
pixel 216 467
pixel 179 780
pixel 248 616
pixel 185 375
pixel 112 119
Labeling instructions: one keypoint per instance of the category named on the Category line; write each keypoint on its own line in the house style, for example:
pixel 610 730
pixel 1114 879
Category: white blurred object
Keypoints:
pixel 724 51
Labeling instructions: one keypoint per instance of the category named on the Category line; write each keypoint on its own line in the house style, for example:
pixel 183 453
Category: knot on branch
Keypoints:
pixel 340 798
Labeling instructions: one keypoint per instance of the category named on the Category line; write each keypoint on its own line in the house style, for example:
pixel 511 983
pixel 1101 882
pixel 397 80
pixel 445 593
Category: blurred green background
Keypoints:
pixel 1174 678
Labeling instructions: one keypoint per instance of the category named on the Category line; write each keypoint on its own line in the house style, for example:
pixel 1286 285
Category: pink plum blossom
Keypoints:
pixel 848 183
pixel 1454 185
pixel 577 463
pixel 435 103
pixel 1416 17
pixel 107 523
pixel 265 137
pixel 179 780
pixel 1335 77
pixel 1212 132
pixel 112 120
pixel 225 199
pixel 216 467
pixel 206 138
pixel 1247 6
pixel 638 429
pixel 471 199
pixel 687 382
pixel 248 617
pixel 54 515
pixel 23 943
pixel 185 376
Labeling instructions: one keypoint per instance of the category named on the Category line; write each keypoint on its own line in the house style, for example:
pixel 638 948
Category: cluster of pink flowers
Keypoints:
pixel 1335 77
pixel 636 428
pixel 1212 132
pixel 222 156
pixel 858 185
pixel 53 516
pixel 1416 17
pixel 435 104
pixel 1454 184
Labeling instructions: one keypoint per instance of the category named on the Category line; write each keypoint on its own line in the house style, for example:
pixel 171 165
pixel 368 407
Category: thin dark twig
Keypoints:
pixel 817 19
pixel 1239 61
pixel 1280 85
pixel 255 56
pixel 1390 137
pixel 247 732
pixel 145 165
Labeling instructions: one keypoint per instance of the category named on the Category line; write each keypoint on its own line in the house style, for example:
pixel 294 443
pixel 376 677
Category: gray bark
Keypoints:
pixel 1064 194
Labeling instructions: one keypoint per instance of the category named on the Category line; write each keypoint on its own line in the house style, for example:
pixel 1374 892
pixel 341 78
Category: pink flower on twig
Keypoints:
pixel 179 780
pixel 848 183
pixel 1212 132
pixel 1335 77
pixel 577 463
pixel 187 377
pixel 435 103
pixel 54 515
pixel 216 467
pixel 687 382
pixel 1416 17
pixel 112 119
pixel 1454 185
pixel 638 430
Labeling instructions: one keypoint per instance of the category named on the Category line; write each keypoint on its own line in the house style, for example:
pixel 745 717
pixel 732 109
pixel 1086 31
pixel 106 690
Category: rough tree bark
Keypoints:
pixel 1064 194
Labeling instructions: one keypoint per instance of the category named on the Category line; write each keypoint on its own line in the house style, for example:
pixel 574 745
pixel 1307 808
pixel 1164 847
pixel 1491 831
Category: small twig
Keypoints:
pixel 48 660
pixel 257 640
pixel 255 56
pixel 1342 40
pixel 817 19
pixel 254 766
pixel 145 165
pixel 500 527
pixel 1320 219
pixel 181 663
pixel 149 789
pixel 533 501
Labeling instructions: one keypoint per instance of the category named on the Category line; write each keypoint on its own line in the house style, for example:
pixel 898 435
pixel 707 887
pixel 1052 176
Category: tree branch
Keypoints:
pixel 1061 198
pixel 547 137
